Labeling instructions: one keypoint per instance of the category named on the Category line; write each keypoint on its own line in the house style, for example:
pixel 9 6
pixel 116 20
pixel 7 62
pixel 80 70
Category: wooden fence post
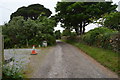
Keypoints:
pixel 1 55
pixel 3 49
pixel 1 52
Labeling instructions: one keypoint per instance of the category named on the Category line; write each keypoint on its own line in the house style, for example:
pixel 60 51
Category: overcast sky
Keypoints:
pixel 7 7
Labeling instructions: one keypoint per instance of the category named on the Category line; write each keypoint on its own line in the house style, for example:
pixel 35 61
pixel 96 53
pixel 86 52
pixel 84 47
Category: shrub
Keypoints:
pixel 12 71
pixel 50 39
pixel 101 37
pixel 112 20
pixel 24 33
pixel 115 42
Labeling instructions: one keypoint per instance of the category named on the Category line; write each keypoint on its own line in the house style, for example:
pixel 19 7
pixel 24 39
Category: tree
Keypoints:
pixel 11 31
pixel 66 32
pixel 32 11
pixel 24 33
pixel 77 15
pixel 112 21
pixel 58 34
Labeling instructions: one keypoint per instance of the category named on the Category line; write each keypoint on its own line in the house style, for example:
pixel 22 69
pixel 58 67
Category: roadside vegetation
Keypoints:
pixel 103 38
pixel 12 71
pixel 58 34
pixel 20 33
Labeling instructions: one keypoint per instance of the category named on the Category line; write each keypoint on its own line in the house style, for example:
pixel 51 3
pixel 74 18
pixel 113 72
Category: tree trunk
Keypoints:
pixel 2 54
pixel 84 24
pixel 81 28
pixel 77 31
pixel 27 43
pixel 2 49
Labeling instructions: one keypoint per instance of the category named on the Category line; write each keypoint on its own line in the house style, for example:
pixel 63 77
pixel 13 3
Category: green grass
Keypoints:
pixel 107 58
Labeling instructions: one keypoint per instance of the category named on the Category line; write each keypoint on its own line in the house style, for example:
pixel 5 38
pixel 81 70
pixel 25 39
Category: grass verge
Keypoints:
pixel 107 58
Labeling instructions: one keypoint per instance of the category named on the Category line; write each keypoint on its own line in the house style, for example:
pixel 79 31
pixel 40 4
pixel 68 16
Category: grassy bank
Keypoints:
pixel 107 58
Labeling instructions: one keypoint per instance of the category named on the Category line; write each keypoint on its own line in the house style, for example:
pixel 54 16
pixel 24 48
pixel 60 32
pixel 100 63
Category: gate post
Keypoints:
pixel 1 52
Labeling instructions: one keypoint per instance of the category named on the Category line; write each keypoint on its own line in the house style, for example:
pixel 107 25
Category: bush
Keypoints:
pixel 72 37
pixel 50 40
pixel 112 21
pixel 101 37
pixel 12 72
pixel 20 33
pixel 115 42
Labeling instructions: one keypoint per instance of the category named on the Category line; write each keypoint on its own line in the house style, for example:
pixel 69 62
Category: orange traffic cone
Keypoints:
pixel 33 51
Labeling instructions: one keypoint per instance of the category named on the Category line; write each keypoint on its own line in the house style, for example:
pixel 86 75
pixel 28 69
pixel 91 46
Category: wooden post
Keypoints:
pixel 3 49
pixel 1 52
pixel 1 55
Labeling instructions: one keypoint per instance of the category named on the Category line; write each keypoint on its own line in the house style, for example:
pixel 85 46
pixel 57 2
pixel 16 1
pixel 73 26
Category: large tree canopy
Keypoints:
pixel 19 32
pixel 112 20
pixel 32 11
pixel 77 15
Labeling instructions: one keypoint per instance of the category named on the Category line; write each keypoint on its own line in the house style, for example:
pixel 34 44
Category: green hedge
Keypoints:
pixel 102 37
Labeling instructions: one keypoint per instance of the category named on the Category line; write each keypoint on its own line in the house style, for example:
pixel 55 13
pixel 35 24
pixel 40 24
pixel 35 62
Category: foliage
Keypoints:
pixel 66 32
pixel 32 11
pixel 58 34
pixel 23 33
pixel 115 42
pixel 11 72
pixel 77 15
pixel 101 37
pixel 112 21
pixel 50 39
pixel 12 31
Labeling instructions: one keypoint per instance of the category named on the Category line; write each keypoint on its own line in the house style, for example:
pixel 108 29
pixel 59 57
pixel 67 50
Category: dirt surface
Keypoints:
pixel 65 61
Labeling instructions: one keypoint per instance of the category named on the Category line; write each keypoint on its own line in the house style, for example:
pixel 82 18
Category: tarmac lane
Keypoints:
pixel 60 61
pixel 66 61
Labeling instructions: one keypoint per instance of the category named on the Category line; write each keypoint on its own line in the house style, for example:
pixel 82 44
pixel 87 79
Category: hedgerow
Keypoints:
pixel 102 37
